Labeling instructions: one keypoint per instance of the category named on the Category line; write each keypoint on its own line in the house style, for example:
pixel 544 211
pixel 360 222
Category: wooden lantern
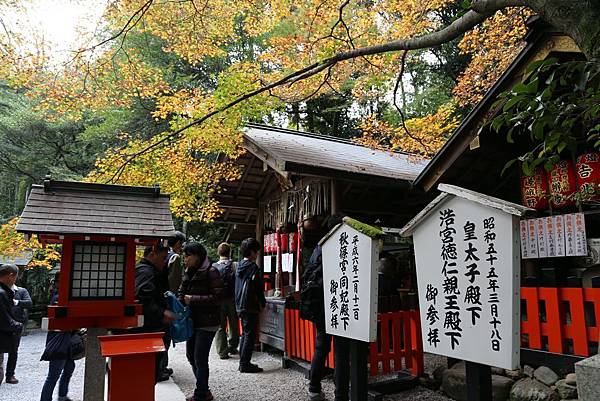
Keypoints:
pixel 99 227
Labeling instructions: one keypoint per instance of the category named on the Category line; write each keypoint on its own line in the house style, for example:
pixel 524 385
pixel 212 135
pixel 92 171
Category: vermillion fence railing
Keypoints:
pixel 560 320
pixel 398 344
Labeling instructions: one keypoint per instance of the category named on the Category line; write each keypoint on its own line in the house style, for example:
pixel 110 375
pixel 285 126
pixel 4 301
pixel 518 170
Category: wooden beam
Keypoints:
pixel 236 203
pixel 270 160
pixel 236 222
pixel 243 179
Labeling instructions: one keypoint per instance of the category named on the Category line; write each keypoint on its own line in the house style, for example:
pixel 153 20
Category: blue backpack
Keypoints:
pixel 181 329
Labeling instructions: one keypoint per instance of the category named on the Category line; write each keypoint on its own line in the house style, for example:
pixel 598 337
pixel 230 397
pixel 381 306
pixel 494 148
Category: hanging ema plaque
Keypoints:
pixel 467 252
pixel 350 254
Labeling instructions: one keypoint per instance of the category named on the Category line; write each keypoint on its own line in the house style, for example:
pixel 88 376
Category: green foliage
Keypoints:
pixel 557 107
pixel 366 229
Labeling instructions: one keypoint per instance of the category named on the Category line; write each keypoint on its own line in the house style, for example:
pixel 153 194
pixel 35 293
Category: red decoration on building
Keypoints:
pixel 283 238
pixel 588 175
pixel 293 241
pixel 534 190
pixel 562 184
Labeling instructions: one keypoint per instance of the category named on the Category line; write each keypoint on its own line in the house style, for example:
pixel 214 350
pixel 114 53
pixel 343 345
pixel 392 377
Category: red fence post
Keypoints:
pixel 553 328
pixel 418 366
pixel 576 330
pixel 531 326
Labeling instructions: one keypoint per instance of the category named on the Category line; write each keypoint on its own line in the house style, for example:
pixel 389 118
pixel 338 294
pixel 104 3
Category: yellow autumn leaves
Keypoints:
pixel 257 42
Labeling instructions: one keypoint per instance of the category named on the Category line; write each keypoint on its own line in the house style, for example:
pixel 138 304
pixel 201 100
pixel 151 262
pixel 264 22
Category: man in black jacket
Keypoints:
pixel 150 288
pixel 249 300
pixel 341 345
pixel 10 328
pixel 23 302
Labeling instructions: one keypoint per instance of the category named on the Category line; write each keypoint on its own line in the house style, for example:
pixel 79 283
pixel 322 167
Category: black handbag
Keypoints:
pixel 78 339
pixel 58 346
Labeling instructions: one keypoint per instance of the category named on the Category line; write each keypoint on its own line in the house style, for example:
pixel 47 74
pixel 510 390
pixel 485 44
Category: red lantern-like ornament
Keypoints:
pixel 562 183
pixel 283 241
pixel 588 176
pixel 534 190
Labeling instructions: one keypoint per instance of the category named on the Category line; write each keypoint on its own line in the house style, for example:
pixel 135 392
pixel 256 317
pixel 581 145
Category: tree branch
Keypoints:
pixel 461 25
pixel 402 116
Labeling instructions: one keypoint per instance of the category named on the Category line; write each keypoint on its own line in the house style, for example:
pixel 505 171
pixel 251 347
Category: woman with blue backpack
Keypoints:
pixel 202 291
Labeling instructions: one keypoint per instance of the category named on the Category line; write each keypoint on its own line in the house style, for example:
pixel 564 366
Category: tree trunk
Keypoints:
pixel 580 19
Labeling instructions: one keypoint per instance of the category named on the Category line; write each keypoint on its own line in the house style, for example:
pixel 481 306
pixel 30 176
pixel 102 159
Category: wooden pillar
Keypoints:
pixel 95 366
pixel 260 235
pixel 479 382
pixel 336 198
pixel 279 274
pixel 299 234
pixel 359 373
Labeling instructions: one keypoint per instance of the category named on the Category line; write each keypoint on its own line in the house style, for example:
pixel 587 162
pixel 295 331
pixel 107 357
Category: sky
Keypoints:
pixel 59 22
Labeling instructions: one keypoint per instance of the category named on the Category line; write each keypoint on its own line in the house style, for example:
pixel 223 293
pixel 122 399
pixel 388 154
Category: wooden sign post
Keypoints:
pixel 350 253
pixel 467 249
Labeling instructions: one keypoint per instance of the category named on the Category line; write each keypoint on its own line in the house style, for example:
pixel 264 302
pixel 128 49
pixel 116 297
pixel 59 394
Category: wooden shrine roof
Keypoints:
pixel 277 159
pixel 64 207
pixel 295 151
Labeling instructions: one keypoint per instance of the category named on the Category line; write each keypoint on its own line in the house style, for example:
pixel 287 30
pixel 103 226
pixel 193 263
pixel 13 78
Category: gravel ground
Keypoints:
pixel 274 384
pixel 32 372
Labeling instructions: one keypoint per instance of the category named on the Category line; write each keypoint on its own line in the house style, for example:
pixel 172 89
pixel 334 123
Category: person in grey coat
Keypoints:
pixel 23 303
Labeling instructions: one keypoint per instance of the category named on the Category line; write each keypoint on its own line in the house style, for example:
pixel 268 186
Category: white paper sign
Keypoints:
pixel 287 262
pixel 559 235
pixel 555 236
pixel 350 284
pixel 580 237
pixel 468 267
pixel 267 263
pixel 532 242
pixel 570 246
pixel 551 238
pixel 542 240
pixel 524 233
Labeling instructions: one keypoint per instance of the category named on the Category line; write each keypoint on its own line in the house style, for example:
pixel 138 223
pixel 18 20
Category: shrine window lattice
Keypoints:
pixel 98 271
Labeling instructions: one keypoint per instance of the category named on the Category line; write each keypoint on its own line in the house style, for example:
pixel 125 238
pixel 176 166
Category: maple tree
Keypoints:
pixel 15 245
pixel 272 52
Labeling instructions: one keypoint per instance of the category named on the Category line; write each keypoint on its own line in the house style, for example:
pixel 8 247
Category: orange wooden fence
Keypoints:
pixel 398 344
pixel 560 320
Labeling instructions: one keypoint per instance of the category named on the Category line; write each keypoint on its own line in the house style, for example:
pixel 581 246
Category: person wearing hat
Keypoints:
pixel 10 327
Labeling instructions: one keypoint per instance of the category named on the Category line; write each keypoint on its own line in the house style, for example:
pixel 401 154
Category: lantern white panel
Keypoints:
pixel 98 271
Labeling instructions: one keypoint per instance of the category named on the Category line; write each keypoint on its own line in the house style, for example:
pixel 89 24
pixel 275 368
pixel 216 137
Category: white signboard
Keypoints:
pixel 468 278
pixel 350 284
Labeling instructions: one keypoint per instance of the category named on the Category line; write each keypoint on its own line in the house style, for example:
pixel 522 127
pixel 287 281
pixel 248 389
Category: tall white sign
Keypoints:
pixel 350 284
pixel 468 259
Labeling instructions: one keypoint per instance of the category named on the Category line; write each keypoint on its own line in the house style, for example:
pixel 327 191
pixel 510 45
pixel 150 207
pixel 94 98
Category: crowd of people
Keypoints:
pixel 219 295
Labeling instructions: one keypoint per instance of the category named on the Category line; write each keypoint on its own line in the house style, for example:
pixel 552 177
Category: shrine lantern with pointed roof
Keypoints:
pixel 99 227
